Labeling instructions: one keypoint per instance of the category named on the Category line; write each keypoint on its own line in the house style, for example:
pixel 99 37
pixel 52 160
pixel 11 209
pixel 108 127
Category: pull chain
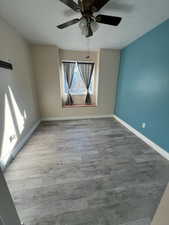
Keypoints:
pixel 88 49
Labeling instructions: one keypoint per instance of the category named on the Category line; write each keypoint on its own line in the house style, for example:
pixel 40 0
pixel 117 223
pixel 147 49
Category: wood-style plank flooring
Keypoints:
pixel 86 172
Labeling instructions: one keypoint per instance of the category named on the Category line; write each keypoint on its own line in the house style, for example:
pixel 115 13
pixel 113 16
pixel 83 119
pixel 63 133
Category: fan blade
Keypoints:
pixel 69 23
pixel 110 20
pixel 94 5
pixel 71 4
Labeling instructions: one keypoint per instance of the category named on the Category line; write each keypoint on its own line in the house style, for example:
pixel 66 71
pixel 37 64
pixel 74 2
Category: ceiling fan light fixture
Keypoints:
pixel 82 23
pixel 84 31
pixel 94 26
pixel 84 27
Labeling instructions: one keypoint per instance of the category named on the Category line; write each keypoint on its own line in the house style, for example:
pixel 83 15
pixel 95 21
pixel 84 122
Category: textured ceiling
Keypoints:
pixel 36 20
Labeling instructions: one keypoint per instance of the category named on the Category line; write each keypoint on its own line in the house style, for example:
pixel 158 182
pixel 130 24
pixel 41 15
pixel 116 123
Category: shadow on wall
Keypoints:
pixel 12 119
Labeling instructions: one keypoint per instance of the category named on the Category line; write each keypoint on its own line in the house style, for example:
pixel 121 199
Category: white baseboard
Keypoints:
pixel 76 118
pixel 21 143
pixel 156 147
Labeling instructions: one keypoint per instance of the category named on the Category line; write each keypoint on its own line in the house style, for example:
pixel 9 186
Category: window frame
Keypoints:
pixel 76 62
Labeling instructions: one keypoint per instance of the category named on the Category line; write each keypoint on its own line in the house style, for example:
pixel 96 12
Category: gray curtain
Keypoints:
pixel 86 71
pixel 69 72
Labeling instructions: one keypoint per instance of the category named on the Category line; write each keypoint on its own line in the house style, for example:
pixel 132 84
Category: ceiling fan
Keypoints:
pixel 88 22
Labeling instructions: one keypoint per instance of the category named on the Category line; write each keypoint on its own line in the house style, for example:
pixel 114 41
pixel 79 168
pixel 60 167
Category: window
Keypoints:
pixel 78 87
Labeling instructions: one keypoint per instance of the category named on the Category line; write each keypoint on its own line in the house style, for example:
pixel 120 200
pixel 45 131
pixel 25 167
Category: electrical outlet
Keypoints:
pixel 12 137
pixel 143 125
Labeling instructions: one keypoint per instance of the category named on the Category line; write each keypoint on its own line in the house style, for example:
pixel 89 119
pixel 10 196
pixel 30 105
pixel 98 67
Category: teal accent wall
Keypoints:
pixel 143 85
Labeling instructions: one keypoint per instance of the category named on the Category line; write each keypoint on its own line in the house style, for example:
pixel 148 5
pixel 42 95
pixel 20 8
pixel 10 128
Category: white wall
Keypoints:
pixel 162 215
pixel 46 61
pixel 8 212
pixel 17 85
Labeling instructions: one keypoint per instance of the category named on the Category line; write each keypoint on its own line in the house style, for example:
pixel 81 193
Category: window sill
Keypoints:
pixel 78 106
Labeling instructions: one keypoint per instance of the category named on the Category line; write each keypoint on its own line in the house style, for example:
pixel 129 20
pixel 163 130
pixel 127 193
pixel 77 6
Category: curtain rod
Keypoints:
pixel 79 61
pixel 6 65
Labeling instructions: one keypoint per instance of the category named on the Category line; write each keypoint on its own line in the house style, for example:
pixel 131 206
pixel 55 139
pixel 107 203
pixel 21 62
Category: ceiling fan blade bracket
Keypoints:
pixel 90 32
